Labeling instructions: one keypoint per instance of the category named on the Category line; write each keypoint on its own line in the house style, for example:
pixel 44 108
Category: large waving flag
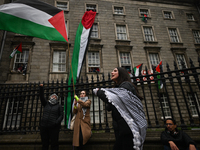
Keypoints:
pixel 158 70
pixel 34 18
pixel 81 42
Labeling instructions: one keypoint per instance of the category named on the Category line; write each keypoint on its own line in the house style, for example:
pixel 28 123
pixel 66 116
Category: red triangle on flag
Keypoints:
pixel 19 47
pixel 58 21
pixel 158 67
pixel 88 19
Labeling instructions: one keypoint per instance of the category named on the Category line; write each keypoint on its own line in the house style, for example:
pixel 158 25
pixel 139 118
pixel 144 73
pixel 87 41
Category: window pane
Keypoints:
pixel 165 106
pixel 190 17
pixel 148 34
pixel 173 35
pixel 121 32
pixel 62 5
pixel 21 60
pixel 93 62
pixel 118 10
pixel 59 61
pixel 154 59
pixel 196 36
pixel 98 110
pixel 94 33
pixel 180 58
pixel 144 12
pixel 168 15
pixel 192 103
pixel 90 7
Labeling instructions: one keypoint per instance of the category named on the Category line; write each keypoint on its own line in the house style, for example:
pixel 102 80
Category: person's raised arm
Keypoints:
pixel 101 94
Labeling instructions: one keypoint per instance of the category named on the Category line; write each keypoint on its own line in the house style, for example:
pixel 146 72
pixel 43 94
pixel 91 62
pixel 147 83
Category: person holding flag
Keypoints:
pixel 127 111
pixel 82 128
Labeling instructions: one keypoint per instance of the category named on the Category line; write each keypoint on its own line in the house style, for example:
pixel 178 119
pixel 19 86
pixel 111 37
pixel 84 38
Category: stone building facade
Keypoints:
pixel 120 37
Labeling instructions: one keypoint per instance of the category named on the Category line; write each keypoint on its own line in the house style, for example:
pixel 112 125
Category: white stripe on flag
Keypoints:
pixel 29 13
pixel 83 44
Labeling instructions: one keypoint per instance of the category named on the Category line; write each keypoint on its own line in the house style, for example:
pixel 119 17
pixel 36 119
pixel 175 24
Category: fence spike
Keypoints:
pixel 191 63
pixel 175 65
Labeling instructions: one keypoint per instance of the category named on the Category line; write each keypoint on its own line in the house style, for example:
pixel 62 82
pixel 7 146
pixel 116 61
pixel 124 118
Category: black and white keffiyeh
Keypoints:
pixel 84 99
pixel 53 100
pixel 131 109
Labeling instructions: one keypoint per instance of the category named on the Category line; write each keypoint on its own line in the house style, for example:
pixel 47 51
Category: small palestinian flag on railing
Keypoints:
pixel 17 50
pixel 158 70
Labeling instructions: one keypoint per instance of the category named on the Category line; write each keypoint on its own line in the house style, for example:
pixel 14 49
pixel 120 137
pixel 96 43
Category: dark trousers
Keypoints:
pixel 50 134
pixel 124 142
pixel 80 141
pixel 168 148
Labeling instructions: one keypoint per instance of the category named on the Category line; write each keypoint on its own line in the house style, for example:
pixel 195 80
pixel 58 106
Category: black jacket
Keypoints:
pixel 52 114
pixel 118 122
pixel 181 139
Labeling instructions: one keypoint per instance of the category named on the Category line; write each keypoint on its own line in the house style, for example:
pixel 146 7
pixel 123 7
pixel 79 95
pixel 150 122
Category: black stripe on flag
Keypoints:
pixel 49 9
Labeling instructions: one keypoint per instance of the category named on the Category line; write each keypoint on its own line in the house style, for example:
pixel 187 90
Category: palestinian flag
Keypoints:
pixel 33 18
pixel 80 46
pixel 144 18
pixel 17 50
pixel 137 70
pixel 158 70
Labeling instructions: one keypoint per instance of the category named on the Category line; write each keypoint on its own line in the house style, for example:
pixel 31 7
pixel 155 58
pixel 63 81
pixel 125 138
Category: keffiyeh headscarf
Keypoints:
pixel 131 109
pixel 52 100
pixel 84 99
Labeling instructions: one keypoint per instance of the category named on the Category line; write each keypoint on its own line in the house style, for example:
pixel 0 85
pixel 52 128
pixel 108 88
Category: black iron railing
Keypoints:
pixel 21 110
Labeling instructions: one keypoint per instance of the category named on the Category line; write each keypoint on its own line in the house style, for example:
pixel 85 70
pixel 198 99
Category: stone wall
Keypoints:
pixel 98 141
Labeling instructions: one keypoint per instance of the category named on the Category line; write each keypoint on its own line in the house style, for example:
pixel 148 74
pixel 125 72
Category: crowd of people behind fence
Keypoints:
pixel 128 116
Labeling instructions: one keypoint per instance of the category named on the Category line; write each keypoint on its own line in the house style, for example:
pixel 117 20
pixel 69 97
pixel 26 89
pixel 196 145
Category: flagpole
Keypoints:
pixel 71 67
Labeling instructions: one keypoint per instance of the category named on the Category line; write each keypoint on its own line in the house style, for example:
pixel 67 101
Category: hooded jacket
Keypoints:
pixel 52 114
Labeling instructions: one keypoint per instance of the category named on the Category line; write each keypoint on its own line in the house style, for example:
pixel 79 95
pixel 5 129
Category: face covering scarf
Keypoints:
pixel 53 100
pixel 131 109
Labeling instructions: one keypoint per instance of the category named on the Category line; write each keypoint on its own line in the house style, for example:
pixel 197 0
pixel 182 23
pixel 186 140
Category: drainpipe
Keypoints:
pixel 3 40
pixel 3 43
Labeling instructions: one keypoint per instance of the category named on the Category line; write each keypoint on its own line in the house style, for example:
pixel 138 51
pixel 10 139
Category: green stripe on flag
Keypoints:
pixel 25 27
pixel 74 63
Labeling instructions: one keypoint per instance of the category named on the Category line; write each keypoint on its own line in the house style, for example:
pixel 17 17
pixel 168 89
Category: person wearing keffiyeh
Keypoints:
pixel 127 111
pixel 82 128
pixel 51 120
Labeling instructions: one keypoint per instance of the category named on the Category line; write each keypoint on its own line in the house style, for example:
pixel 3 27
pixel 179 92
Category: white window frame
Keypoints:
pixel 125 62
pixel 171 14
pixel 25 52
pixel 142 12
pixel 191 104
pixel 155 56
pixel 116 13
pixel 90 4
pixel 96 110
pixel 91 66
pixel 9 114
pixel 165 105
pixel 148 34
pixel 62 7
pixel 95 30
pixel 190 15
pixel 196 34
pixel 59 63
pixel 177 55
pixel 126 34
pixel 174 35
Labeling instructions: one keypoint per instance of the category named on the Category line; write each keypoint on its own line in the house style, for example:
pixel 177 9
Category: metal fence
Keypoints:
pixel 21 110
